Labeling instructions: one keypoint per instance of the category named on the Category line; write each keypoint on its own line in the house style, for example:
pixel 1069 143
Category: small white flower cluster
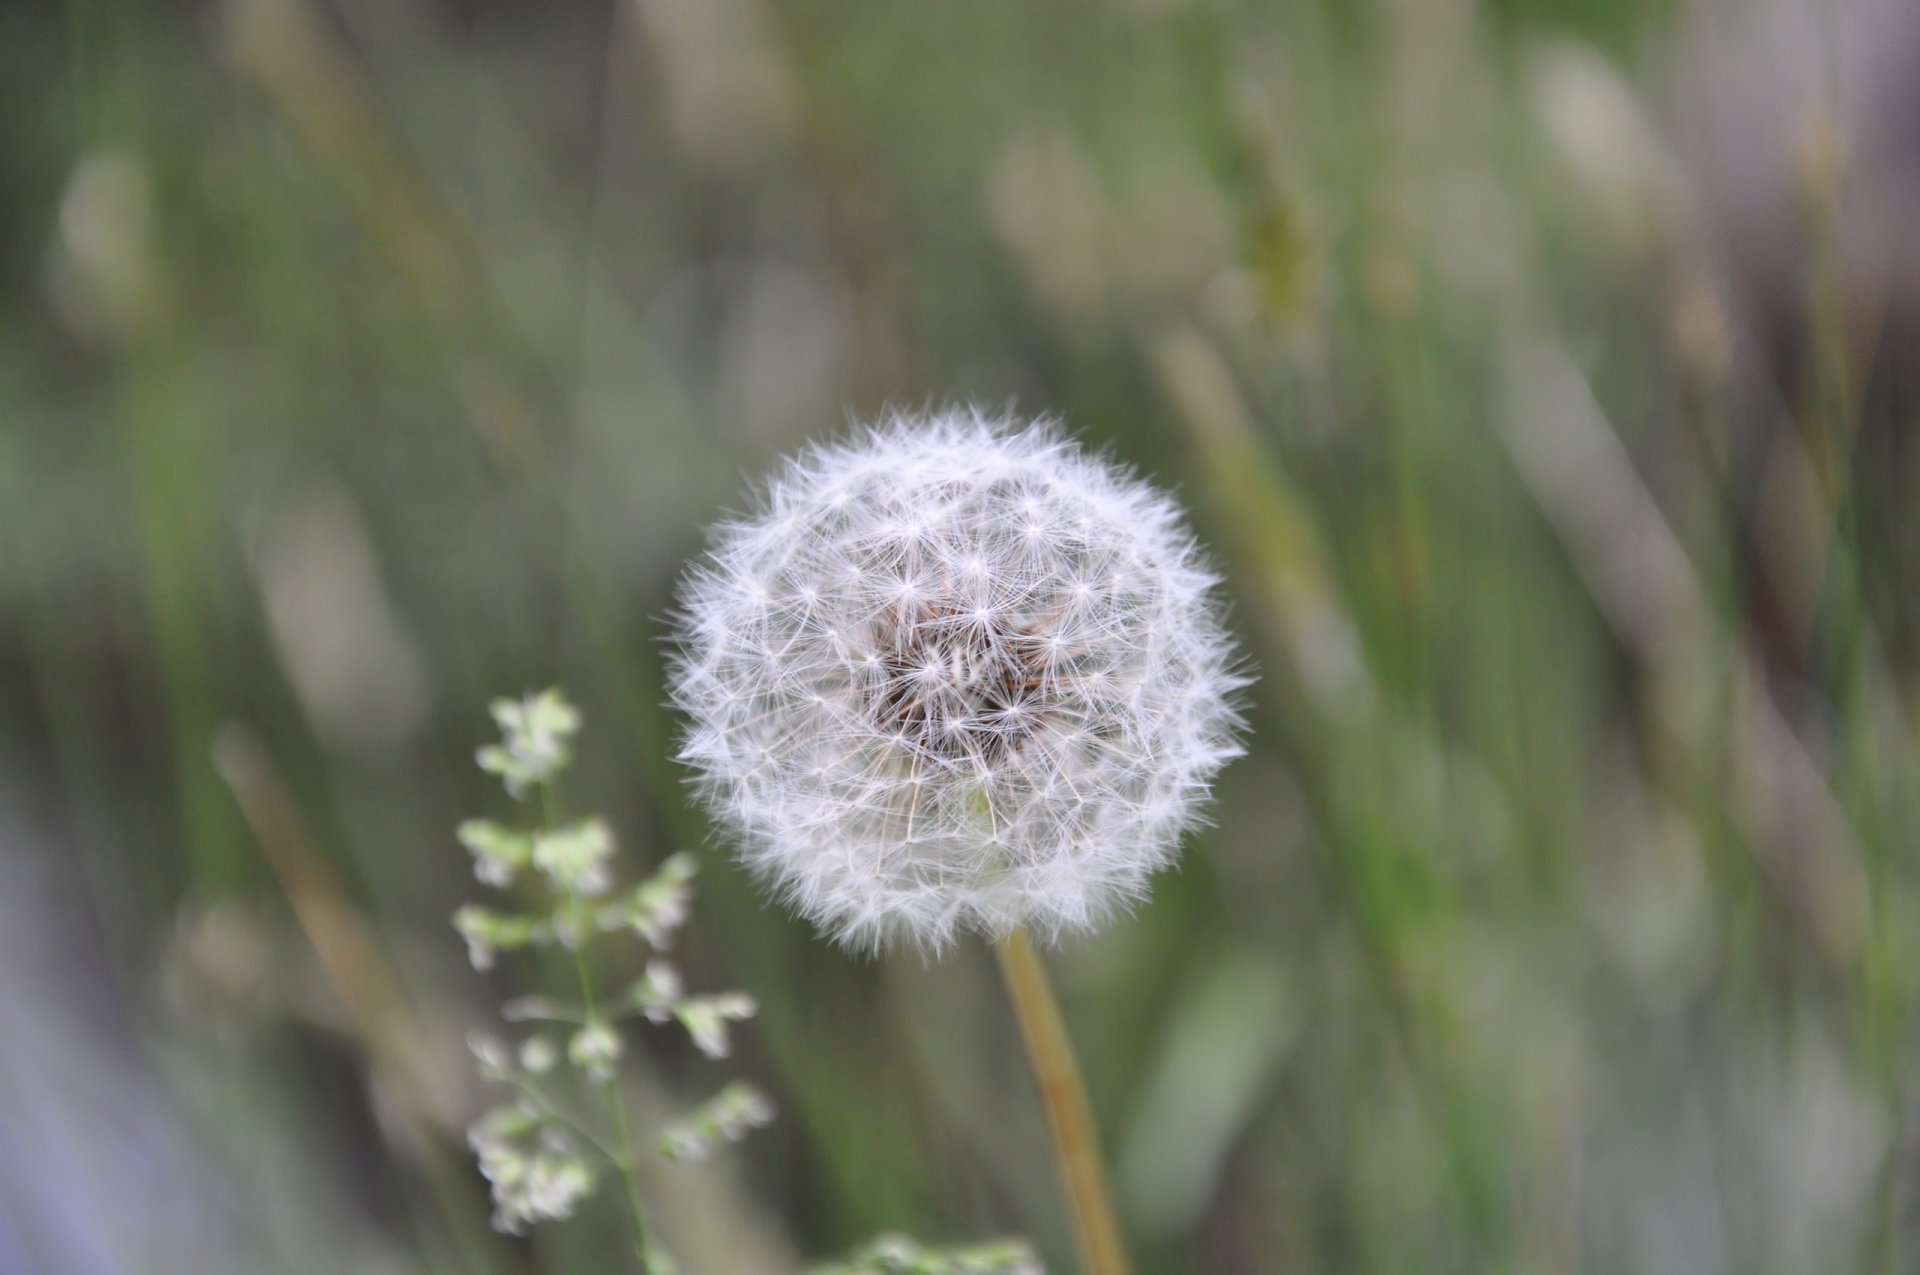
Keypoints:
pixel 898 1255
pixel 706 1018
pixel 528 1147
pixel 533 1167
pixel 535 741
pixel 956 674
pixel 728 1117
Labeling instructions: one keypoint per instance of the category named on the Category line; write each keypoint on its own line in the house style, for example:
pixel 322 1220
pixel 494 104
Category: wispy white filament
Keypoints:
pixel 955 674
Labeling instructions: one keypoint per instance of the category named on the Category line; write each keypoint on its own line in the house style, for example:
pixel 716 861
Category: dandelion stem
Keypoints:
pixel 1075 1144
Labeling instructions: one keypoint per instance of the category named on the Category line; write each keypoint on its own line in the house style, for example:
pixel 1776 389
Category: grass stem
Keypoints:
pixel 623 1152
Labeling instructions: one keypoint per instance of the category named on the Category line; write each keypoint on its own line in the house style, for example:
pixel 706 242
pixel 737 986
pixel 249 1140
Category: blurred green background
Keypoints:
pixel 1546 374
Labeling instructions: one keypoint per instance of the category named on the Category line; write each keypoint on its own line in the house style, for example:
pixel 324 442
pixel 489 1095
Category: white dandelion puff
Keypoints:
pixel 956 674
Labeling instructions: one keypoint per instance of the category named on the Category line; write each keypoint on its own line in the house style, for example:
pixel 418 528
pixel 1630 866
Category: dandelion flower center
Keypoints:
pixel 960 685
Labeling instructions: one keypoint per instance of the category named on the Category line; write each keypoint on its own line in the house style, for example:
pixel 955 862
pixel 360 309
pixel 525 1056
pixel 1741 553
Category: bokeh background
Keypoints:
pixel 1546 374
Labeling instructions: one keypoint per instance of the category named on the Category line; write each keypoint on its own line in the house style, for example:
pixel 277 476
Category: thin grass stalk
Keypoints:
pixel 624 1154
pixel 626 1160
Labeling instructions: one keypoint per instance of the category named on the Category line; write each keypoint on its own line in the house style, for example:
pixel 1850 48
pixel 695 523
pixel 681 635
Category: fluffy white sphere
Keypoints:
pixel 955 674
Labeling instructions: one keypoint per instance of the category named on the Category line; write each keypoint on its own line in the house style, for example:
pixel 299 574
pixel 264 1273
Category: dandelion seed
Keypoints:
pixel 956 675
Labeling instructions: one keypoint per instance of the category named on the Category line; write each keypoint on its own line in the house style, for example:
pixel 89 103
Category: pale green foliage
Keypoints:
pixel 595 1049
pixel 658 997
pixel 898 1255
pixel 487 932
pixel 536 731
pixel 727 1117
pixel 538 1055
pixel 532 1165
pixel 498 852
pixel 706 1019
pixel 658 906
pixel 535 1150
pixel 575 858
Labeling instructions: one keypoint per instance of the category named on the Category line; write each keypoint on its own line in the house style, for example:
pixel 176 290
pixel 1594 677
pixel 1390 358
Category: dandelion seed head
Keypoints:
pixel 956 674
